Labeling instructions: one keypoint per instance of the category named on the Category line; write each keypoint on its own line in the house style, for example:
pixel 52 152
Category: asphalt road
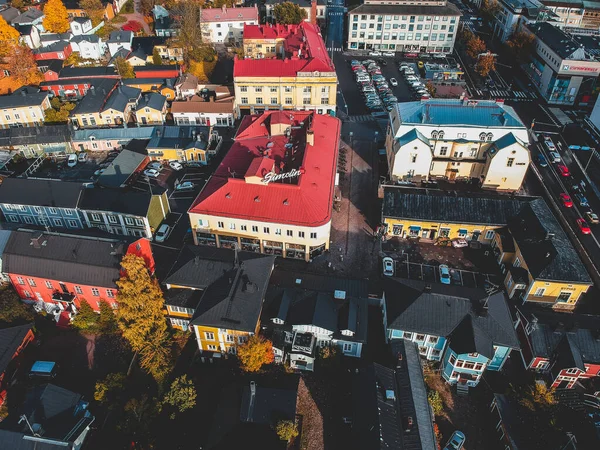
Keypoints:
pixel 335 25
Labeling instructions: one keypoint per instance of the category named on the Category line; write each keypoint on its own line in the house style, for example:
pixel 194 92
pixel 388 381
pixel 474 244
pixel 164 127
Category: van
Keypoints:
pixel 72 160
pixel 82 157
pixel 43 369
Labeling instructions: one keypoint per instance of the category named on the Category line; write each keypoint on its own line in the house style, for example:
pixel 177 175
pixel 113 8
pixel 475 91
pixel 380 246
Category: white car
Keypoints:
pixel 459 243
pixel 375 53
pixel 154 165
pixel 388 266
pixel 98 172
pixel 72 160
pixel 393 82
pixel 82 157
pixel 554 157
pixel 162 233
pixel 185 186
pixel 391 54
pixel 175 165
pixel 152 173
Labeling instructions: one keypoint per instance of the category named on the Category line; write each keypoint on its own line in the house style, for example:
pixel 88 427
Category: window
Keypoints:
pixel 112 219
pixel 20 280
pixel 96 217
pixel 72 223
pixel 139 222
pixel 542 365
pixel 31 282
pixel 243 88
pixel 244 100
pixel 209 336
pixel 211 347
pixel 242 339
pixel 266 230
pixel 469 365
pixel 564 296
pixel 230 338
pixel 287 89
pixel 258 89
pixel 509 162
pixel 489 234
pixel 273 88
pixel 306 101
pixel 408 336
pixel 221 224
pixel 78 289
pixel 443 151
pixel 290 233
pixel 57 222
pixel 273 100
pixel 288 100
pixel 95 292
pixel 259 100
pixel 435 353
pixel 452 359
pixel 301 234
pixel 278 231
pixel 444 232
pixel 313 235
pixel 462 232
pixel 110 293
pixel 27 294
pixel 232 226
pixel 49 284
pixel 432 339
pixel 348 347
pixel 254 229
pixel 244 227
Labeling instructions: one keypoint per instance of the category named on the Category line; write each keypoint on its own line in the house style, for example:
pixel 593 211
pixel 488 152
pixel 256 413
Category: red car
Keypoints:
pixel 564 171
pixel 583 226
pixel 566 200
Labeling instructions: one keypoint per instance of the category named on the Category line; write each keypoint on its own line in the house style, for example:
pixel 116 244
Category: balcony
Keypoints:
pixel 58 296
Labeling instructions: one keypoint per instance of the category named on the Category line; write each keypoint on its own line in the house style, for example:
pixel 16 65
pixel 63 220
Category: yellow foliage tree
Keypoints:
pixel 8 36
pixel 56 19
pixel 255 353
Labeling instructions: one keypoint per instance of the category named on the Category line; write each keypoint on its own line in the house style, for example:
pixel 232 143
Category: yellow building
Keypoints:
pixel 151 109
pixel 534 254
pixel 219 294
pixel 292 70
pixel 184 143
pixel 163 86
pixel 23 108
pixel 107 104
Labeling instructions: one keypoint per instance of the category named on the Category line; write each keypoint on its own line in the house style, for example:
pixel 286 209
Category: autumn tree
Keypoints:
pixel 110 389
pixel 221 3
pixel 124 68
pixel 286 430
pixel 181 395
pixel 59 113
pixel 430 88
pixel 139 415
pixel 188 17
pixel 475 47
pixel 288 13
pixel 435 400
pixel 538 397
pixel 12 309
pixel 9 36
pixel 107 323
pixel 255 353
pixel 93 9
pixel 486 64
pixel 520 45
pixel 156 58
pixel 86 319
pixel 489 9
pixel 20 63
pixel 156 356
pixel 145 7
pixel 56 19
pixel 19 4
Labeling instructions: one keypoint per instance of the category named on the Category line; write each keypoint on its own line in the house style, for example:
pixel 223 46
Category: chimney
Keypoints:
pixel 313 12
pixel 224 9
pixel 36 241
pixel 310 137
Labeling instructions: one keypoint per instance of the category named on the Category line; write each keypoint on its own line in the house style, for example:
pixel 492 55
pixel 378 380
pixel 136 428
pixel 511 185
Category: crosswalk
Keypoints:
pixel 335 49
pixel 510 95
pixel 362 118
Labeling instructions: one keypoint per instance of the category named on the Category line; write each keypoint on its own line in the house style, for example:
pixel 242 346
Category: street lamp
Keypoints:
pixel 350 134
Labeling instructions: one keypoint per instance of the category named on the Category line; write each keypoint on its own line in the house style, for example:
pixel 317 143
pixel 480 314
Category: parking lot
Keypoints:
pixel 57 167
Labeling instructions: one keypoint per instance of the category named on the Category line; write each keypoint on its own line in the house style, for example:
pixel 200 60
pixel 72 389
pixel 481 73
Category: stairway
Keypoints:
pixel 462 390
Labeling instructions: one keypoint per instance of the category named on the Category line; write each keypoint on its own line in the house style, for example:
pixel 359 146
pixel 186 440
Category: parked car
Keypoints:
pixel 374 53
pixel 583 226
pixel 154 165
pixel 549 144
pixel 194 164
pixel 152 173
pixel 175 165
pixel 82 157
pixel 582 200
pixel 566 200
pixel 383 62
pixel 542 161
pixel 43 369
pixel 98 172
pixel 456 442
pixel 388 266
pixel 554 157
pixel 390 54
pixel 72 160
pixel 393 82
pixel 162 233
pixel 444 274
pixel 563 170
pixel 185 186
pixel 459 243
pixel 592 217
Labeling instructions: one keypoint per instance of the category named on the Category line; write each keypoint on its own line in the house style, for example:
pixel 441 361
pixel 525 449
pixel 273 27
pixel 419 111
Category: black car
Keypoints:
pixel 382 62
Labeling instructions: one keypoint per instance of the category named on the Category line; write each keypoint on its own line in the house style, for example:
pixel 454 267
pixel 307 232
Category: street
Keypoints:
pixel 335 25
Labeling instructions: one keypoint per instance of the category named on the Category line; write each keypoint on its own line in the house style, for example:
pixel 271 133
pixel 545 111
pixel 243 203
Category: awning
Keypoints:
pixel 462 231
pixel 414 228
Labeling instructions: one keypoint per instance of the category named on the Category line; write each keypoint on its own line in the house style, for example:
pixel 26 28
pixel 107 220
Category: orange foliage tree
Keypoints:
pixel 255 353
pixel 20 63
pixel 475 46
pixel 8 36
pixel 56 19
pixel 486 64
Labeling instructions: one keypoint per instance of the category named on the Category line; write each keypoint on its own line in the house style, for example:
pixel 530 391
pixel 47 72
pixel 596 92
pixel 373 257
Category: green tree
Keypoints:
pixel 139 415
pixel 436 402
pixel 59 112
pixel 107 322
pixel 255 353
pixel 156 58
pixel 86 319
pixel 94 10
pixel 56 19
pixel 156 356
pixel 124 68
pixel 109 390
pixel 538 397
pixel 286 430
pixel 520 45
pixel 288 13
pixel 12 309
pixel 181 396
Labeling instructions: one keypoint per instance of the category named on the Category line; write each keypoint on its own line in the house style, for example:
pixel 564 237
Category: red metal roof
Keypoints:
pixel 225 14
pixel 305 51
pixel 235 189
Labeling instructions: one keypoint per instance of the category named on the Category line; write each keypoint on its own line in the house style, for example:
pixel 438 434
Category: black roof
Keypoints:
pixel 560 42
pixel 383 397
pixel 185 298
pixel 96 97
pixel 353 287
pixel 234 300
pixel 75 259
pixel 123 201
pixel 121 168
pixel 147 43
pixel 411 10
pixel 38 192
pixel 447 207
pixel 55 65
pixel 58 46
pixel 266 403
pixel 48 134
pixel 62 414
pixel 82 72
pixel 152 67
pixel 22 98
pixel 10 340
pixel 454 312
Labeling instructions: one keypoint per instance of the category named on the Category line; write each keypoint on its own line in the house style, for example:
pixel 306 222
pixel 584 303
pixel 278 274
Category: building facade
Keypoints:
pixel 23 108
pixel 479 140
pixel 280 177
pixel 218 113
pixel 301 78
pixel 226 25
pixel 402 26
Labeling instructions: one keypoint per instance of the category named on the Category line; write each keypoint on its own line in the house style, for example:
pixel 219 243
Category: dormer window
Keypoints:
pixel 482 137
pixel 434 135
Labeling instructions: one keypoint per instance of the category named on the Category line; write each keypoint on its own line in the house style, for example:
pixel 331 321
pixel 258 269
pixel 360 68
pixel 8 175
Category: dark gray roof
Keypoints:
pixel 22 98
pixel 75 259
pixel 54 193
pixel 92 38
pixel 82 72
pixel 122 167
pixel 28 16
pixel 353 287
pixel 96 97
pixel 120 36
pixel 10 340
pixel 408 10
pixel 48 134
pixel 54 47
pixel 52 37
pixel 235 299
pixel 146 44
pixel 122 201
pixel 185 298
pixel 179 137
pixel 559 41
pixel 506 411
pixel 152 100
pixel 450 311
pixel 81 20
pixel 10 13
pixel 267 403
pixel 547 259
pixel 120 97
pixel 301 3
pixel 444 206
pixel 54 65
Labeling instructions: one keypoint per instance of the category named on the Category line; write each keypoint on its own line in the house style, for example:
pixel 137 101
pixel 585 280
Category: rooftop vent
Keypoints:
pixel 298 280
pixel 390 395
pixel 340 295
